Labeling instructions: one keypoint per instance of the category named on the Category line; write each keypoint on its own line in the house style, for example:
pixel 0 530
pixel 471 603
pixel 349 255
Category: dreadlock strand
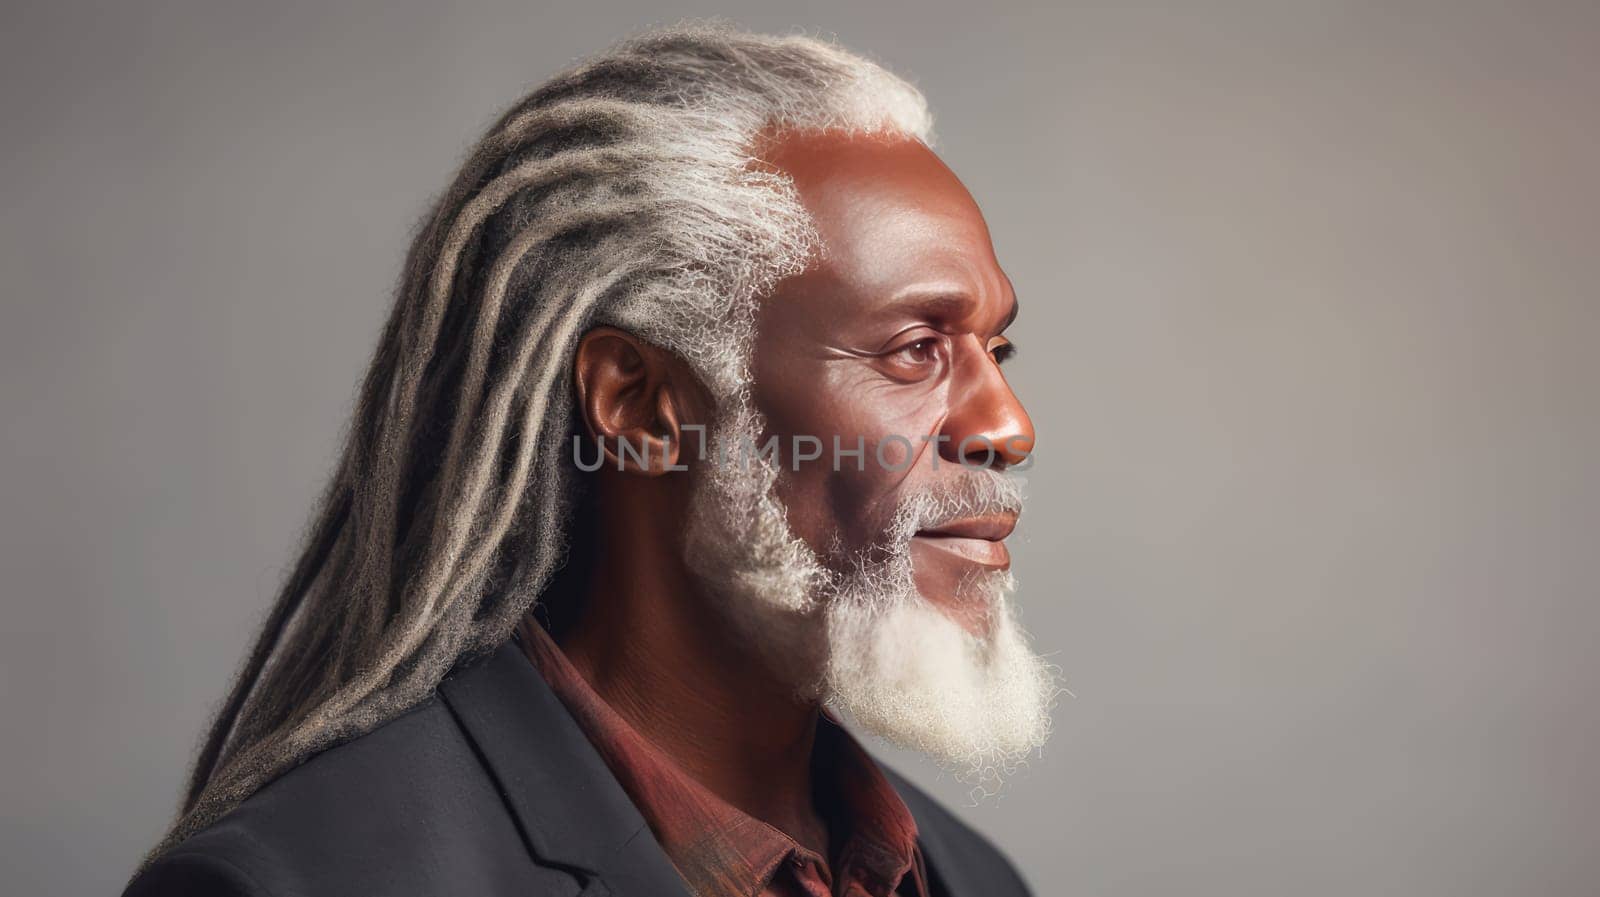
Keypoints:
pixel 565 331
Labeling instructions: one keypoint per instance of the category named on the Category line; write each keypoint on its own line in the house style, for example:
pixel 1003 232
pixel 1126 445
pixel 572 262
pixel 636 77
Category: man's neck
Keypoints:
pixel 676 678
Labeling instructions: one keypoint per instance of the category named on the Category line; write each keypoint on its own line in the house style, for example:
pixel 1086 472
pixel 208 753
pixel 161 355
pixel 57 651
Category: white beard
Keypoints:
pixel 857 635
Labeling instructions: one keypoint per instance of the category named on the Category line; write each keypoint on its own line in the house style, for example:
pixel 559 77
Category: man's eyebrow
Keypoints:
pixel 948 304
pixel 934 303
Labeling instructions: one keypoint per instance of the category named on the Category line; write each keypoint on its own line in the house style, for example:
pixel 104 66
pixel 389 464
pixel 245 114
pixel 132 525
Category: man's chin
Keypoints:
pixel 967 592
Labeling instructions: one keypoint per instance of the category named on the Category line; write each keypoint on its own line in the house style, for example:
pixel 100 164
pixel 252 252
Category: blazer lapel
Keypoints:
pixel 571 810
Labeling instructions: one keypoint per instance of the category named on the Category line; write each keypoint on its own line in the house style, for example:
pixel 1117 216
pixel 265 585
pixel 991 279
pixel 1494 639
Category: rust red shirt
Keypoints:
pixel 720 850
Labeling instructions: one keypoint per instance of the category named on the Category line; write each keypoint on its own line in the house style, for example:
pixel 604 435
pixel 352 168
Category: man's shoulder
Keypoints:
pixel 960 855
pixel 406 808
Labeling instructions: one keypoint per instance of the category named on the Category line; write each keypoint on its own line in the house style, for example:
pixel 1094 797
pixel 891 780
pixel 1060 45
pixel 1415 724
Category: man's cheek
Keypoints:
pixel 807 506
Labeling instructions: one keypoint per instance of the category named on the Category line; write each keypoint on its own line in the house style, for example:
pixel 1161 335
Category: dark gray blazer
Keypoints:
pixel 488 788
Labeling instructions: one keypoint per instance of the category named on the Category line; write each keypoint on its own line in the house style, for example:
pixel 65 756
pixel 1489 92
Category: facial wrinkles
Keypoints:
pixel 922 426
pixel 904 420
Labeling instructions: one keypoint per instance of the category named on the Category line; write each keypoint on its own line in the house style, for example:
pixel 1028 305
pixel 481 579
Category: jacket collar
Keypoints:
pixel 570 808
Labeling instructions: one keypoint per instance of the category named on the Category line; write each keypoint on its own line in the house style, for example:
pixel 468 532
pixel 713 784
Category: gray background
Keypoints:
pixel 1309 339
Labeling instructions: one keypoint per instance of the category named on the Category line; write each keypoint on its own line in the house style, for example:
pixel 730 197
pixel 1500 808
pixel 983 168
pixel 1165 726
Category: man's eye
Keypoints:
pixel 1003 353
pixel 923 351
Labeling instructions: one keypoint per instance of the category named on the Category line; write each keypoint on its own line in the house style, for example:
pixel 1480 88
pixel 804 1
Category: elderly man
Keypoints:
pixel 688 431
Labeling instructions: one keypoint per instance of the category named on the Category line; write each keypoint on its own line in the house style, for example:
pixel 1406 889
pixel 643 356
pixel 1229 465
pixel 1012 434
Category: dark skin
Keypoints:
pixel 897 330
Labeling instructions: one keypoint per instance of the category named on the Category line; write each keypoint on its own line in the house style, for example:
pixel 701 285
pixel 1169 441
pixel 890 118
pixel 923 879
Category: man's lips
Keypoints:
pixel 979 539
pixel 993 527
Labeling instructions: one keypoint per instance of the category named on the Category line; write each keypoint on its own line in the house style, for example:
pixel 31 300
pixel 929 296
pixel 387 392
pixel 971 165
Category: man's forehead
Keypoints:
pixel 891 216
pixel 830 168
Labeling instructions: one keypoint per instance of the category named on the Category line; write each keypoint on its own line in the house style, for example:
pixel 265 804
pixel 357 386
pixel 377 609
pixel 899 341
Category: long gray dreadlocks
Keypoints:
pixel 624 191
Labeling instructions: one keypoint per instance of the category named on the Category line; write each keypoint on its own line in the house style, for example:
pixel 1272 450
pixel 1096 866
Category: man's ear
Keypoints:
pixel 635 399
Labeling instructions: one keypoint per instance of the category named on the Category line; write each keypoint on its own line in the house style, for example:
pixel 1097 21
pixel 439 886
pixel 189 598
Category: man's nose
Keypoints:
pixel 986 425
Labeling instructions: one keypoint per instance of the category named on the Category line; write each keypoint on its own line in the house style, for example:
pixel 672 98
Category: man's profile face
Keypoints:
pixel 892 342
pixel 878 582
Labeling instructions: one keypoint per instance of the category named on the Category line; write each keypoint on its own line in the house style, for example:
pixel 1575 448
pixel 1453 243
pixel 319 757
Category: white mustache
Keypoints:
pixel 977 492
